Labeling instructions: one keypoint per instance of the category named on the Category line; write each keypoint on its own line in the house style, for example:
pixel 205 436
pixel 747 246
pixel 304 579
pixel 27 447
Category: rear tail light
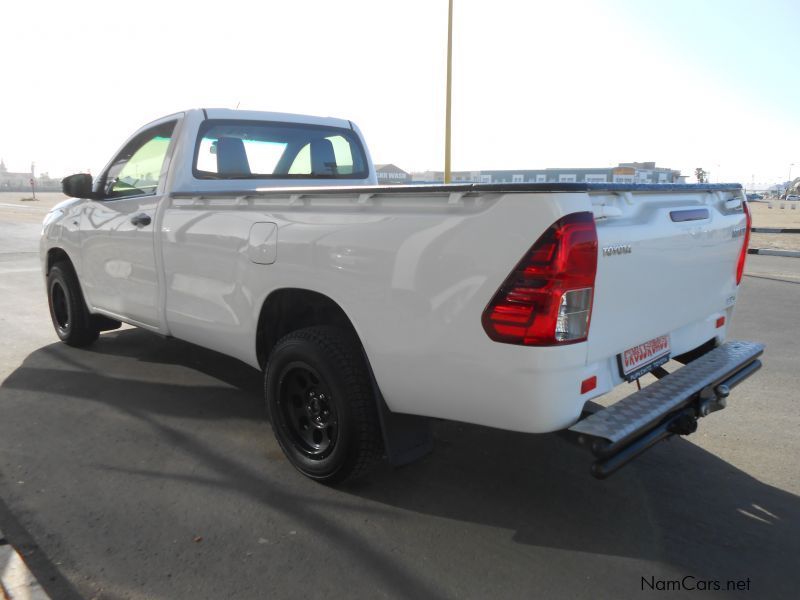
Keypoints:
pixel 547 298
pixel 745 244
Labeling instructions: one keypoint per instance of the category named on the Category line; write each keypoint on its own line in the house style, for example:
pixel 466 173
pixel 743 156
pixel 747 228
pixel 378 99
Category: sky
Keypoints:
pixel 536 84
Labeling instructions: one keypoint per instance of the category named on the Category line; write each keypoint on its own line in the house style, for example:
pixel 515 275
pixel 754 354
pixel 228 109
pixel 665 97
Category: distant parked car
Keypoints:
pixel 754 197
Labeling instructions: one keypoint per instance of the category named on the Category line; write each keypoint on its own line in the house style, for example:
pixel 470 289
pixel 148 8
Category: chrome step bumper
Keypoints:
pixel 670 406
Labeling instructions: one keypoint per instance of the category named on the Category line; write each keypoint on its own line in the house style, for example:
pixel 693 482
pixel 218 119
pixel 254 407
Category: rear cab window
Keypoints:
pixel 269 150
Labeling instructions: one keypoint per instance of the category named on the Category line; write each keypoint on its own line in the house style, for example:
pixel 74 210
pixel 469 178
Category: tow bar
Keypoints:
pixel 671 406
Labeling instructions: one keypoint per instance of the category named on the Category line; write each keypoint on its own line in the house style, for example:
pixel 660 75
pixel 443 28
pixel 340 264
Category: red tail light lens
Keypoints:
pixel 743 253
pixel 547 298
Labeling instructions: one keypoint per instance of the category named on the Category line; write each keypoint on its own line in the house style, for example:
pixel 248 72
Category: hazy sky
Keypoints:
pixel 579 83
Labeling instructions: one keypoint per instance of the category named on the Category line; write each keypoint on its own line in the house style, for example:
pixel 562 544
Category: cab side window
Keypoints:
pixel 137 169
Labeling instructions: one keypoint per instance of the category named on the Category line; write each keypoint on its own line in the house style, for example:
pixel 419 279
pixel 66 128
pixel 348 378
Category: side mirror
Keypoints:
pixel 78 186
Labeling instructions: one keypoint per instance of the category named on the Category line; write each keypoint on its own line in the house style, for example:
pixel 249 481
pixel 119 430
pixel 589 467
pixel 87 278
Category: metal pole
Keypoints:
pixel 33 180
pixel 447 174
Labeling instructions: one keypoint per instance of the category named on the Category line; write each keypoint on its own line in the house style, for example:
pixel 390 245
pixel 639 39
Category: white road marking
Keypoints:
pixel 16 580
pixel 31 270
pixel 36 208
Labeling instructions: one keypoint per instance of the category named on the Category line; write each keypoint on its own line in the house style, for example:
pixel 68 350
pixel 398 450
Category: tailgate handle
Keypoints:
pixel 692 214
pixel 603 211
pixel 733 204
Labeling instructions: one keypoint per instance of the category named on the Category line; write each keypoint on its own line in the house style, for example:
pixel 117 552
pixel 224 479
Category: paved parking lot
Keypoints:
pixel 145 468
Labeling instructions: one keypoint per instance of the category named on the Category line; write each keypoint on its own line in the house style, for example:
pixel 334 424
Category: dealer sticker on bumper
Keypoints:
pixel 641 359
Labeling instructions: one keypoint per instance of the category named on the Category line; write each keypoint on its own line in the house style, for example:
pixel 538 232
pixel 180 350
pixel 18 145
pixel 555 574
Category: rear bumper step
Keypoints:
pixel 670 406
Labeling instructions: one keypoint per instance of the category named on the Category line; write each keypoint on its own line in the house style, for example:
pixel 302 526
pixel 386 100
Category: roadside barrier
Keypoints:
pixel 771 252
pixel 775 229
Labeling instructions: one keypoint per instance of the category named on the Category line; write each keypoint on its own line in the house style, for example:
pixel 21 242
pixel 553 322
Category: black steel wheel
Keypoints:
pixel 72 321
pixel 308 409
pixel 321 405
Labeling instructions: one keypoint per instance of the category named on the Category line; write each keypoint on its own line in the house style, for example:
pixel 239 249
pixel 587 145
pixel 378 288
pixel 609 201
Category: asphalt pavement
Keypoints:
pixel 146 468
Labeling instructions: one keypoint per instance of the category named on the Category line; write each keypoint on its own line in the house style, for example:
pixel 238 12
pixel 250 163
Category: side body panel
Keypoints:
pixel 412 271
pixel 62 229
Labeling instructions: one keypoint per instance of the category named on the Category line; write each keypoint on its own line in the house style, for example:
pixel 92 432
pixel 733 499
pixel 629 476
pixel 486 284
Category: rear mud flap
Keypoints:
pixel 406 438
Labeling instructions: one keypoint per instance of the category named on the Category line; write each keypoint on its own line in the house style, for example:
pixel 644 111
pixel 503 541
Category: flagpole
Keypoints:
pixel 447 174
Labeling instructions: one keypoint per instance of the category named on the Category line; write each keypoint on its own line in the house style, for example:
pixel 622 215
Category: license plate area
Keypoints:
pixel 641 359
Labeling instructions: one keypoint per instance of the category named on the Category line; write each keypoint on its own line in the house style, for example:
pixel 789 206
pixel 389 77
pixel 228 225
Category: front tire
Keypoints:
pixel 322 406
pixel 72 320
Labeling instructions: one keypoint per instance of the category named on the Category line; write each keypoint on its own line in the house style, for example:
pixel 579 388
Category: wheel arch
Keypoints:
pixel 406 437
pixel 57 254
pixel 288 309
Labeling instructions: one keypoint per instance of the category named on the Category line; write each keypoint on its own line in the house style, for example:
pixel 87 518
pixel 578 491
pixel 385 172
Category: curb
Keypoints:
pixel 775 229
pixel 16 580
pixel 768 252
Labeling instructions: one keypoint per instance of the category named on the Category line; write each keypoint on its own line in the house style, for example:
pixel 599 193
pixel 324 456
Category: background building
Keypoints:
pixel 648 172
pixel 391 174
pixel 645 172
pixel 438 176
pixel 20 182
pixel 10 181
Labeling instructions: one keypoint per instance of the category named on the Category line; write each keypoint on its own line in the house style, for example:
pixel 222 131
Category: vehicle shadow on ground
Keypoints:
pixel 678 504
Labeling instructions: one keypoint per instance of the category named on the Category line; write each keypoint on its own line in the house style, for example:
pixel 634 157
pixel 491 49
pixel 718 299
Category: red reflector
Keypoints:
pixel 720 322
pixel 587 385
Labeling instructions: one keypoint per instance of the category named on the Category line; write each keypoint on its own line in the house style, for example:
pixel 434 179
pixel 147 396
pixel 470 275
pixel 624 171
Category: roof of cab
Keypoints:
pixel 257 115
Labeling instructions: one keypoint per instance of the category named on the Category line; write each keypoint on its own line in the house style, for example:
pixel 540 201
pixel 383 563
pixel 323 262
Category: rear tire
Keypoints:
pixel 321 404
pixel 72 321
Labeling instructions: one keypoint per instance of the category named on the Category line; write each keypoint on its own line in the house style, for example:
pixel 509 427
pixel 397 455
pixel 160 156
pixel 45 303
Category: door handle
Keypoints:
pixel 141 220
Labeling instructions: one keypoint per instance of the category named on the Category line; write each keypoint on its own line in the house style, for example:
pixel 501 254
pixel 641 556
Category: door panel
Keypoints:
pixel 119 259
pixel 119 252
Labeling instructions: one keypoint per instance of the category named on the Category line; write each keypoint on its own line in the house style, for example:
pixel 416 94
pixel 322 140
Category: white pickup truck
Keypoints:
pixel 370 308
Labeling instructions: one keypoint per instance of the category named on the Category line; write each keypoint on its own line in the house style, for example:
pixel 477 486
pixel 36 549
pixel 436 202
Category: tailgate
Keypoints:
pixel 666 260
